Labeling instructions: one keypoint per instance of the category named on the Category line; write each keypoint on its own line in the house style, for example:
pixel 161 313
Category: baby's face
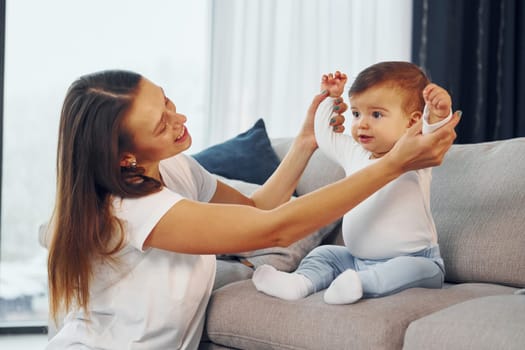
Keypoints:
pixel 378 119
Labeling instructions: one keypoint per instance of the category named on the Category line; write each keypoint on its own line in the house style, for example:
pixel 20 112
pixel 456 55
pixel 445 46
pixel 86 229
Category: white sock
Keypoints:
pixel 284 285
pixel 345 289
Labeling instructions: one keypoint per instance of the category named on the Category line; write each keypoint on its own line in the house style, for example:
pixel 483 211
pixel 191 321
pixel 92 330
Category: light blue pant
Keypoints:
pixel 379 278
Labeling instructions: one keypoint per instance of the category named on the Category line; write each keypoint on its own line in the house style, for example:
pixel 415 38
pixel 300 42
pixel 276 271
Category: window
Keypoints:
pixel 224 63
pixel 47 45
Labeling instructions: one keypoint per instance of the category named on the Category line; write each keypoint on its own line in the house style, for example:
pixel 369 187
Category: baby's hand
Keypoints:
pixel 438 101
pixel 334 83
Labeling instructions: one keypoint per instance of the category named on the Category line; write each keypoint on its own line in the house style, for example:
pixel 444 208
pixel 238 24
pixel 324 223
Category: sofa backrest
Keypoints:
pixel 478 204
pixel 320 171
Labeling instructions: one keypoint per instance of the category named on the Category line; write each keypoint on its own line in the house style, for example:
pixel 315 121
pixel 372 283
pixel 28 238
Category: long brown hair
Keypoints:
pixel 90 145
pixel 406 77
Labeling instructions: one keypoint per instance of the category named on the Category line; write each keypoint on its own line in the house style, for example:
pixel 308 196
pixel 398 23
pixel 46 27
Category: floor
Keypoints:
pixel 23 342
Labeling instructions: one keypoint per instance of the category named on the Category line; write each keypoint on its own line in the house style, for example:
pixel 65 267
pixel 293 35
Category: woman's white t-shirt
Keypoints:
pixel 153 299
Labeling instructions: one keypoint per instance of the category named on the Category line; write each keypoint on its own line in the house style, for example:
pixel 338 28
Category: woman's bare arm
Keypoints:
pixel 203 228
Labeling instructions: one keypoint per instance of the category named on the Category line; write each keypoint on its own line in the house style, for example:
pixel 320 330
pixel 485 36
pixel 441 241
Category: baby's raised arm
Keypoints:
pixel 334 145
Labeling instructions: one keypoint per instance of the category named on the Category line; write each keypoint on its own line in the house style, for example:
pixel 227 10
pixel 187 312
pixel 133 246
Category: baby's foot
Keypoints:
pixel 284 285
pixel 345 289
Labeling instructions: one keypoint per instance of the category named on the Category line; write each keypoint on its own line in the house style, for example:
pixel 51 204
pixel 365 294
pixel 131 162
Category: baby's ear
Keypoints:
pixel 414 118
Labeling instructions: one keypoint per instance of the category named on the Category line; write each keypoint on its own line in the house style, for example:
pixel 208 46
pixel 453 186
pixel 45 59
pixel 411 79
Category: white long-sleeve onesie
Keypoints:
pixel 396 220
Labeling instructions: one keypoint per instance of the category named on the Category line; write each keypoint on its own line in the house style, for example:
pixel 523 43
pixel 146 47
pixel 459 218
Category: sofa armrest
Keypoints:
pixel 491 322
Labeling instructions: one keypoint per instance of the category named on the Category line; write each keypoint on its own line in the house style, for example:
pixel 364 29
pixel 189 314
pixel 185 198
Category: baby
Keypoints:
pixel 390 238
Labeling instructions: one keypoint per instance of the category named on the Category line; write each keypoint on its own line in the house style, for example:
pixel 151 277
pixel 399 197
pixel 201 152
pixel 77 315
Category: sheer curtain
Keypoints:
pixel 267 56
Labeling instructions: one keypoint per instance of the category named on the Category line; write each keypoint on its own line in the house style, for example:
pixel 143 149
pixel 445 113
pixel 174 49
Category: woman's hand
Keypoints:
pixel 416 151
pixel 337 121
pixel 331 85
pixel 307 131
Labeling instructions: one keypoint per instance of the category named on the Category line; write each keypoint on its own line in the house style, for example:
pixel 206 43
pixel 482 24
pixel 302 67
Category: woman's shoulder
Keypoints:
pixel 128 206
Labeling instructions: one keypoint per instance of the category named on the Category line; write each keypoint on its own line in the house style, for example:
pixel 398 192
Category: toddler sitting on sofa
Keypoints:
pixel 390 238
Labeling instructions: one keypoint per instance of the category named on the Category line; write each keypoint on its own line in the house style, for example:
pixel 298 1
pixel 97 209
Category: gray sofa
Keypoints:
pixel 478 201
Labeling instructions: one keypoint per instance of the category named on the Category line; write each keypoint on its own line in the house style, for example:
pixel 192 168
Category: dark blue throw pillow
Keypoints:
pixel 248 156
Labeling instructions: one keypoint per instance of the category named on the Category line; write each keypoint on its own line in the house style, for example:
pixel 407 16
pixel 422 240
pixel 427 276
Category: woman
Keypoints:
pixel 137 223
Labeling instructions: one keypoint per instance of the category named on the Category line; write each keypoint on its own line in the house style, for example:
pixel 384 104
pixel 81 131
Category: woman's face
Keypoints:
pixel 157 131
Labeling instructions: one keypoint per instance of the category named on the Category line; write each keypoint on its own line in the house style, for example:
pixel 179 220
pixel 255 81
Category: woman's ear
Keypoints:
pixel 414 118
pixel 127 160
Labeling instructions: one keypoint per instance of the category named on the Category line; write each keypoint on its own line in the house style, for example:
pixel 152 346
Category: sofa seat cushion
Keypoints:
pixel 240 317
pixel 493 322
